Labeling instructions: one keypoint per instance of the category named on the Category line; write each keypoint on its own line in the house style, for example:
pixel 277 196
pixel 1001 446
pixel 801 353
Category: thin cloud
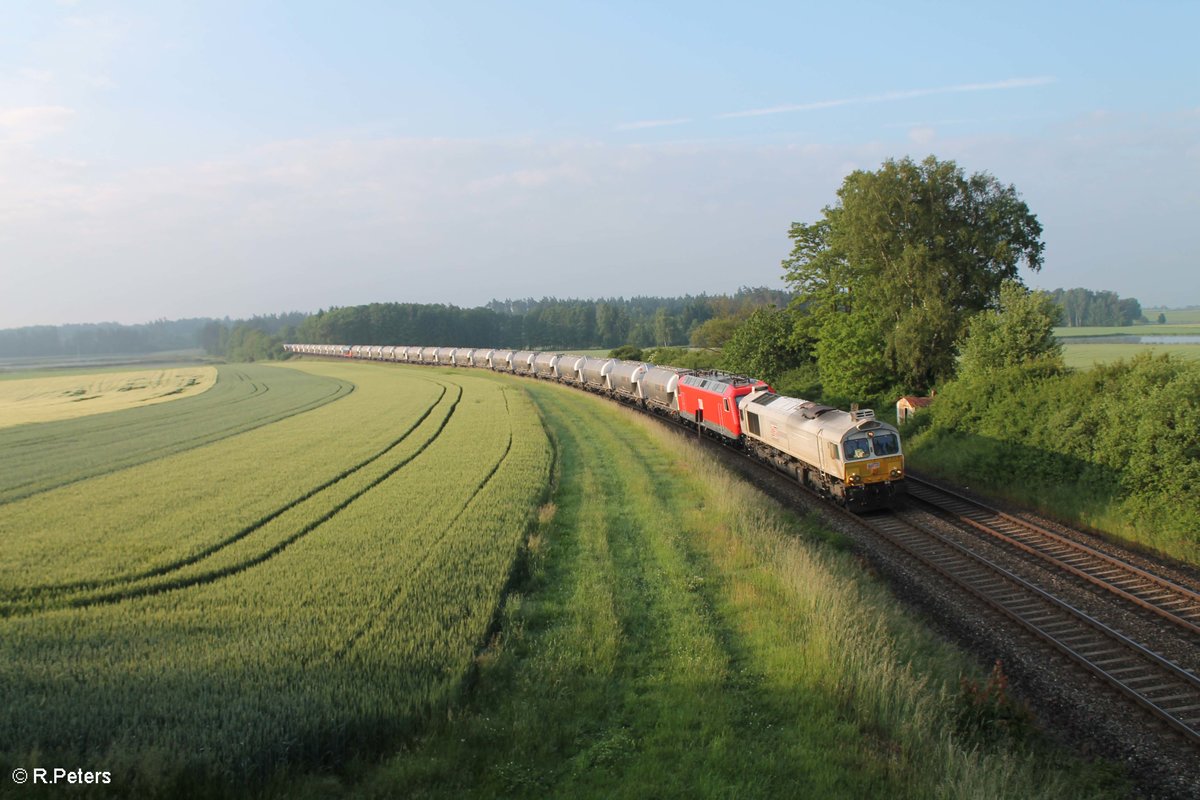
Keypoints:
pixel 651 123
pixel 32 122
pixel 908 94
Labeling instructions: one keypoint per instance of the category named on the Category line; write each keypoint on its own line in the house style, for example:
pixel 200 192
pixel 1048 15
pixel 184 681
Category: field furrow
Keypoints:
pixel 142 520
pixel 264 538
pixel 677 636
pixel 406 583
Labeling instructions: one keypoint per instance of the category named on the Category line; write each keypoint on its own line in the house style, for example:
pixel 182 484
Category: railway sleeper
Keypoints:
pixel 1165 702
pixel 1159 688
pixel 1138 667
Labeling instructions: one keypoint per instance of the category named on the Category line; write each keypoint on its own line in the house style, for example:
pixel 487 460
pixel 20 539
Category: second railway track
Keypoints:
pixel 1166 598
pixel 1168 691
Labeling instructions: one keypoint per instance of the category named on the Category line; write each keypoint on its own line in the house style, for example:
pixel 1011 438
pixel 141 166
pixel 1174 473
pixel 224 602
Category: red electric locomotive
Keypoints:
pixel 711 400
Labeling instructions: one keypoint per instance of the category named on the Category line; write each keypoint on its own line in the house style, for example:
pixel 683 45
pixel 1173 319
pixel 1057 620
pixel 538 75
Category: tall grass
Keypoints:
pixel 680 636
pixel 832 632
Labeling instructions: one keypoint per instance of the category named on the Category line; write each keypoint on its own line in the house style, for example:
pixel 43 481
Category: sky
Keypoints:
pixel 229 158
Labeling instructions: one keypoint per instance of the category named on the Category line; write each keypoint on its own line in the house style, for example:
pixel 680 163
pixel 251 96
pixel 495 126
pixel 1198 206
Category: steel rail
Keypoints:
pixel 1144 589
pixel 1168 691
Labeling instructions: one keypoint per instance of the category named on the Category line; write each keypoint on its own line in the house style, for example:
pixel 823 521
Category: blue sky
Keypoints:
pixel 167 160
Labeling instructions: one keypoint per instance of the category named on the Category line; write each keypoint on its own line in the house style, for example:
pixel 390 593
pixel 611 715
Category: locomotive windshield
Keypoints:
pixel 885 444
pixel 857 448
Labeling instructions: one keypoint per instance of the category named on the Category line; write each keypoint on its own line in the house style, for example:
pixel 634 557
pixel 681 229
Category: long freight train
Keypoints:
pixel 848 456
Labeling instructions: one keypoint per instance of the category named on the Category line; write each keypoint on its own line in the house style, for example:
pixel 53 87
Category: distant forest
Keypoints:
pixel 101 339
pixel 1085 308
pixel 549 323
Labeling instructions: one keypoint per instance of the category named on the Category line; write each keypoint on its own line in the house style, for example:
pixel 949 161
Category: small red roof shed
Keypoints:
pixel 909 405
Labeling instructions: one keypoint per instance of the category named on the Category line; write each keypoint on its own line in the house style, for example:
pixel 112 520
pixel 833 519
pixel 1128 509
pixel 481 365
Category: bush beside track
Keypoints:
pixel 1116 448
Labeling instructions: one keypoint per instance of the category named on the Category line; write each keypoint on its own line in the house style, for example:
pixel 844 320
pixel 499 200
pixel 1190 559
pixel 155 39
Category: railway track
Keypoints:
pixel 1156 594
pixel 1168 691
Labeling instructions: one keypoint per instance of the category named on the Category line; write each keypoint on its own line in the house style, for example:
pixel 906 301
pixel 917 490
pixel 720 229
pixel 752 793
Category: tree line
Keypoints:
pixel 882 291
pixel 548 323
pixel 1083 307
pixel 105 338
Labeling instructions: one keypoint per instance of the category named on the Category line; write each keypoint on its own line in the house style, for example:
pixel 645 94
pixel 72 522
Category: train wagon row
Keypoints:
pixel 848 456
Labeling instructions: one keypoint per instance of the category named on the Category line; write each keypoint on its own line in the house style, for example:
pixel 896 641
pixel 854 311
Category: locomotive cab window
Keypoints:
pixel 858 448
pixel 886 444
pixel 833 451
pixel 727 405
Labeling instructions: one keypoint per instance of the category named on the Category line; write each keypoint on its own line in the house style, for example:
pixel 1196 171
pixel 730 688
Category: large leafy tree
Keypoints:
pixel 910 252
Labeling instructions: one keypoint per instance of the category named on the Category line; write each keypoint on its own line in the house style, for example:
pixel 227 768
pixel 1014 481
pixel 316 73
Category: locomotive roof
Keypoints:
pixel 716 381
pixel 785 405
pixel 830 418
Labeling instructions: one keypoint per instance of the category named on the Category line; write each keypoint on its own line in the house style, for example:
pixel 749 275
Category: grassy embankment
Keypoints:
pixel 677 635
pixel 1114 446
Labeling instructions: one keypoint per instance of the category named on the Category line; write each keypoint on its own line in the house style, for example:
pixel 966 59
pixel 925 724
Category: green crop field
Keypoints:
pixel 520 589
pixel 293 594
pixel 1175 316
pixel 52 454
pixel 1085 356
pixel 58 397
pixel 679 636
pixel 1173 329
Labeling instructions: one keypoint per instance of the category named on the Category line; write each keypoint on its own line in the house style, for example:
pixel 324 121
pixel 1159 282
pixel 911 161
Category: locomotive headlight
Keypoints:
pixel 855 479
pixel 896 473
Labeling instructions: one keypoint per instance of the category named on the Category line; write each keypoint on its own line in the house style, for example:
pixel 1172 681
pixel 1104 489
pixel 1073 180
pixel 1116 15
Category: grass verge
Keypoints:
pixel 678 635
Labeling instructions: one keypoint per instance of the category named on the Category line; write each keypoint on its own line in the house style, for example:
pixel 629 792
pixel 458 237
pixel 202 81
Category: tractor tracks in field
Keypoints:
pixel 167 577
pixel 404 587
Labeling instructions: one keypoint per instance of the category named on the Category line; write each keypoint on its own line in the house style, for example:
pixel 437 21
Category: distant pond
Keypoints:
pixel 1129 339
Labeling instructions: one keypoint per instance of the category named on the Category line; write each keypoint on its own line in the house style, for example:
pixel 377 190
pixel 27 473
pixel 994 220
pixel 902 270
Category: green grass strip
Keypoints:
pixel 679 636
